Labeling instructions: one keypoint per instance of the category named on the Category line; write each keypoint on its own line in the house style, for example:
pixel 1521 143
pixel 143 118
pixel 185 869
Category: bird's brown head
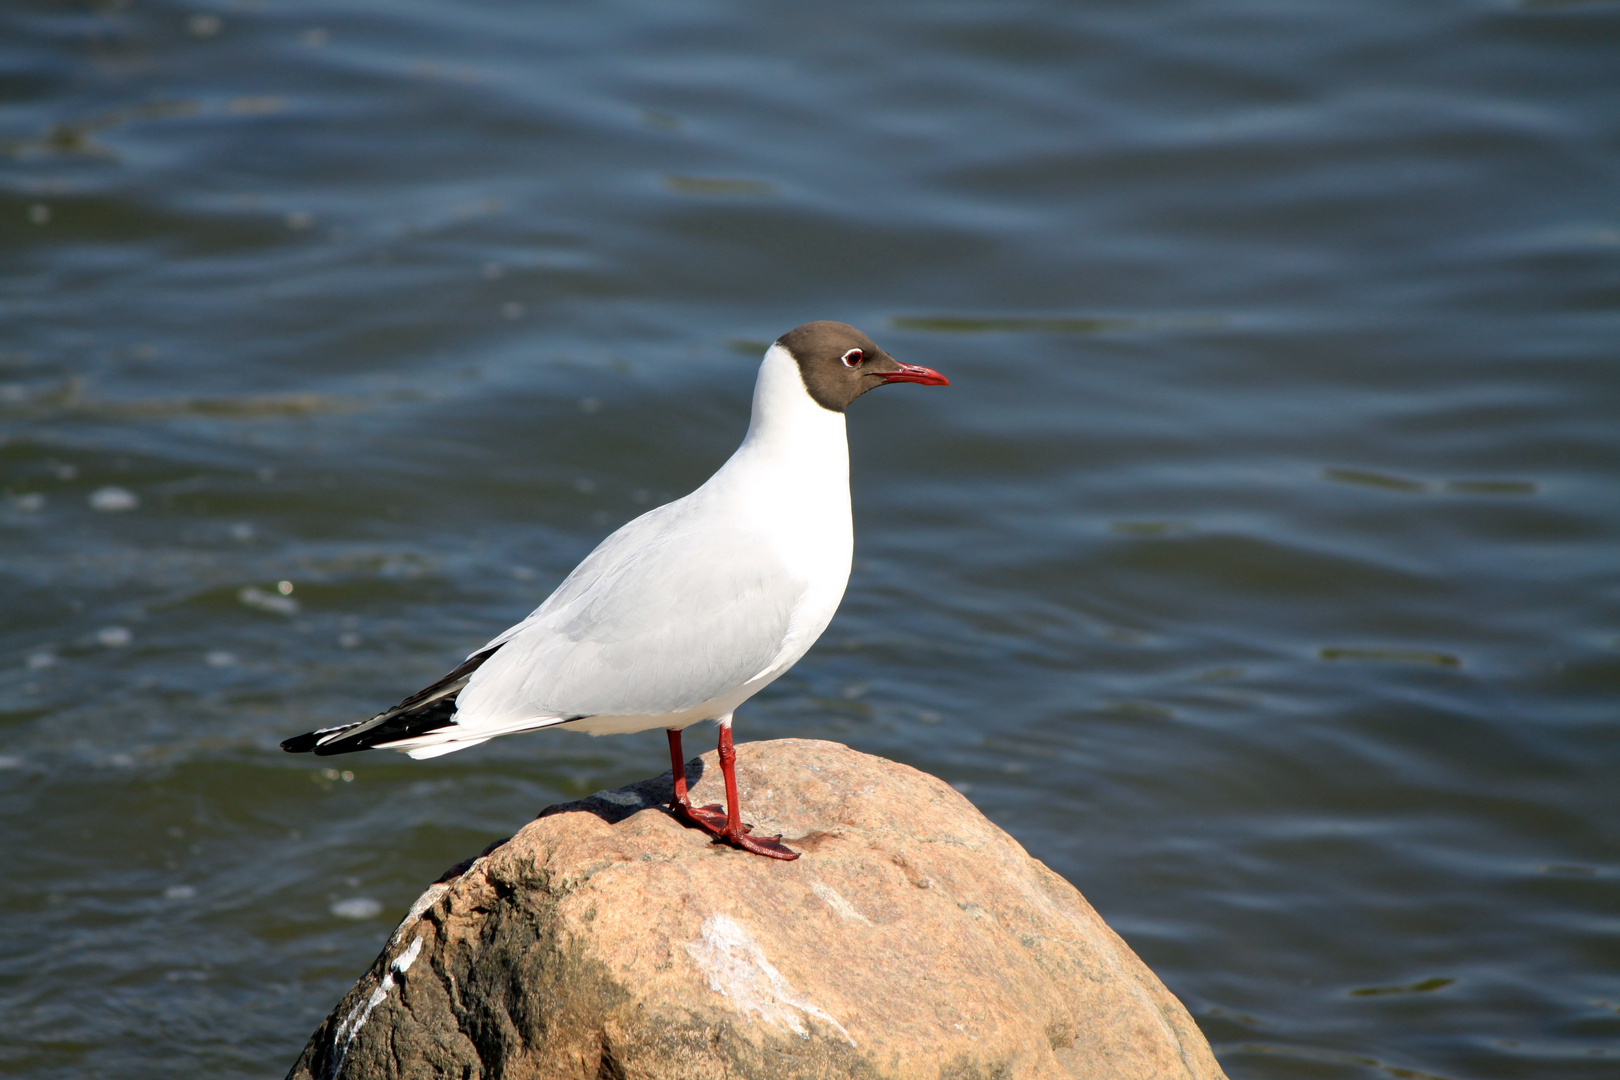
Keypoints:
pixel 839 363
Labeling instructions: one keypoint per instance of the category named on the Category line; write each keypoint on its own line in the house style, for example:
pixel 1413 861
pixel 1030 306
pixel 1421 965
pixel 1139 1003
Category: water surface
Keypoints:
pixel 1258 571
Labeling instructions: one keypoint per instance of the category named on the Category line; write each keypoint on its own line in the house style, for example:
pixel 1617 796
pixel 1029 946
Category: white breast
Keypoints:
pixel 790 478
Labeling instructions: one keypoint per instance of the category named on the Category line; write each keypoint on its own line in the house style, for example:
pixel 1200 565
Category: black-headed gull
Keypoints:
pixel 690 609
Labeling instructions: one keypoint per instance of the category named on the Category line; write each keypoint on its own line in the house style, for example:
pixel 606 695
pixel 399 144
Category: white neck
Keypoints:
pixel 787 486
pixel 787 422
pixel 794 462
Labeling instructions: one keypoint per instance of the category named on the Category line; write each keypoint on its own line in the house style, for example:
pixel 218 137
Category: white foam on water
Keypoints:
pixel 360 907
pixel 113 500
pixel 274 602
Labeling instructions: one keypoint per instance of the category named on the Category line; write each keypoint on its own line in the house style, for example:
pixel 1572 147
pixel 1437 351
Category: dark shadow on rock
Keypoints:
pixel 620 803
pixel 611 806
pixel 466 864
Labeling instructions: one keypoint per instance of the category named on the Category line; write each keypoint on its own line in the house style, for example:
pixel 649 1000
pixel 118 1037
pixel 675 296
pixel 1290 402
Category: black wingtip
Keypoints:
pixel 342 746
pixel 323 743
pixel 424 711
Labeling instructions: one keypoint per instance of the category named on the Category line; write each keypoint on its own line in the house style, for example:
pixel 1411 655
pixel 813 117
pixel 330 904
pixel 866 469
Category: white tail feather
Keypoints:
pixel 453 737
pixel 421 752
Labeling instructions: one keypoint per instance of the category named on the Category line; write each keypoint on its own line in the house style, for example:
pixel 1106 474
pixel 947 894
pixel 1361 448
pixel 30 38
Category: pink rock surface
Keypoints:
pixel 913 939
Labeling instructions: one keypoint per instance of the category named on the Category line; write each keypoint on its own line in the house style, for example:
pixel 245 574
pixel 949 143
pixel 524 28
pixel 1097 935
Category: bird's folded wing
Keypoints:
pixel 666 614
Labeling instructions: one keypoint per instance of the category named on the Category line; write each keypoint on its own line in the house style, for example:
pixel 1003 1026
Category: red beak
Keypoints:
pixel 915 373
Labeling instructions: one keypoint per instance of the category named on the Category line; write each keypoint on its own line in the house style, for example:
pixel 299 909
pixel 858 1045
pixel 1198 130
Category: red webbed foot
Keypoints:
pixel 769 846
pixel 710 819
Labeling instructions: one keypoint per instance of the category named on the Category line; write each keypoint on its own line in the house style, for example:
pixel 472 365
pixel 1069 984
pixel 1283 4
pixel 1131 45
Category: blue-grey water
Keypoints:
pixel 1260 571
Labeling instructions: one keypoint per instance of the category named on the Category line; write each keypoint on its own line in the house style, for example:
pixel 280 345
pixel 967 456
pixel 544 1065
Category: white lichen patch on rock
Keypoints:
pixel 738 969
pixel 832 899
pixel 358 1015
pixel 423 902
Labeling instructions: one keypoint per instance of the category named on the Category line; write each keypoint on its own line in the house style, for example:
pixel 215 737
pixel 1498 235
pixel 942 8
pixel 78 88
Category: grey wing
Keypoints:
pixel 666 614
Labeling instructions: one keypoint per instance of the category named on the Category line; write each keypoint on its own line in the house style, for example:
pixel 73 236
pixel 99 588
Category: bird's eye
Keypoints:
pixel 853 358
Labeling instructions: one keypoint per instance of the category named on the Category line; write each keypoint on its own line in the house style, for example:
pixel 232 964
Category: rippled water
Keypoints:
pixel 1259 571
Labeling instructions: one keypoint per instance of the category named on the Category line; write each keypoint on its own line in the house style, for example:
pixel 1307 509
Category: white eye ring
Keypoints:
pixel 853 358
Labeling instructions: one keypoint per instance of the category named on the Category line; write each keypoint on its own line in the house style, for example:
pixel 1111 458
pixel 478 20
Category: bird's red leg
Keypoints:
pixel 677 770
pixel 736 833
pixel 711 819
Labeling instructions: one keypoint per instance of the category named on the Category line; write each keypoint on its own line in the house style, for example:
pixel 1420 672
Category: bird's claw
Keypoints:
pixel 769 846
pixel 710 819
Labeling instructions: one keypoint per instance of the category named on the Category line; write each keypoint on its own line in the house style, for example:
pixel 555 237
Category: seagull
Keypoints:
pixel 689 610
